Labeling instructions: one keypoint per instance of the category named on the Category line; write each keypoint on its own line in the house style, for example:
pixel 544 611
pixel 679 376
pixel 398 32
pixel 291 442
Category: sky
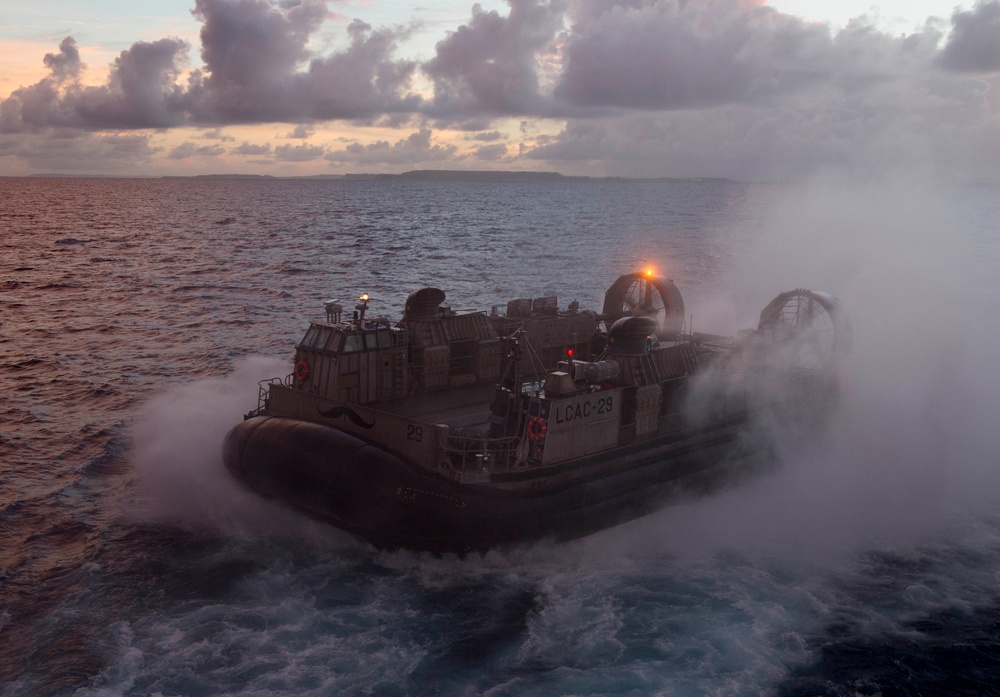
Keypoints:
pixel 755 90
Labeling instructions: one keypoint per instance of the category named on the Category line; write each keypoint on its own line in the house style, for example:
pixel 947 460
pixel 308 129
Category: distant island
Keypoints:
pixel 476 175
pixel 465 175
pixel 417 174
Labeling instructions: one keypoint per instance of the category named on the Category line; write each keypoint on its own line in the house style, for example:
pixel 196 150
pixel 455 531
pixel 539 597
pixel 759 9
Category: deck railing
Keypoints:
pixel 262 391
pixel 482 453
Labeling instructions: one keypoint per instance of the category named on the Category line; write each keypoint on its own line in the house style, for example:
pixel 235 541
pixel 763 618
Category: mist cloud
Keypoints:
pixel 909 446
pixel 974 45
pixel 636 87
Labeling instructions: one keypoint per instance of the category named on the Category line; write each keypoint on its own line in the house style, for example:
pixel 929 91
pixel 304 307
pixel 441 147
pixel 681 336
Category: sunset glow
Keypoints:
pixel 760 91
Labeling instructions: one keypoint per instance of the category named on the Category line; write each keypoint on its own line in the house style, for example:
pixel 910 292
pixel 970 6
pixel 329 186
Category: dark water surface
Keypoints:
pixel 136 317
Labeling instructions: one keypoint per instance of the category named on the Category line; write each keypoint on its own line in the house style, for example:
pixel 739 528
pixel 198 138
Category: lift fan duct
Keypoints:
pixel 807 327
pixel 642 295
pixel 424 304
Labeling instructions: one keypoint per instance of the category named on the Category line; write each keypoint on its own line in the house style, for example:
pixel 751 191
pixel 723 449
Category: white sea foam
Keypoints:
pixel 177 456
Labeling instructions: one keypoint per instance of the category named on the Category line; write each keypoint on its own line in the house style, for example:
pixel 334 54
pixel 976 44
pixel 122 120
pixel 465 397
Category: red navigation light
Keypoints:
pixel 569 352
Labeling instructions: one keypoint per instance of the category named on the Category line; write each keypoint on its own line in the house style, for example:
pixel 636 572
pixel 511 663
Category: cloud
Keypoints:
pixel 187 150
pixel 250 149
pixel 935 125
pixel 361 82
pixel 974 43
pixel 734 88
pixel 415 148
pixel 255 53
pixel 487 137
pixel 490 65
pixel 303 131
pixel 66 64
pixel 257 68
pixel 217 134
pixel 625 87
pixel 141 92
pixel 69 151
pixel 253 44
pixel 669 55
pixel 490 153
pixel 298 153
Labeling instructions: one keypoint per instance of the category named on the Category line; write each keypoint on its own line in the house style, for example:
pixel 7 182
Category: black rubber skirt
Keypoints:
pixel 391 503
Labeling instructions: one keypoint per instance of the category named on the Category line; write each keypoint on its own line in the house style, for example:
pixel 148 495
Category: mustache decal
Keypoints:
pixel 337 412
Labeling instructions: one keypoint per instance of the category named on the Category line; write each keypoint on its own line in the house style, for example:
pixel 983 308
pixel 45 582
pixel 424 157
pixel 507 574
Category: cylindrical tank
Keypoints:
pixel 601 371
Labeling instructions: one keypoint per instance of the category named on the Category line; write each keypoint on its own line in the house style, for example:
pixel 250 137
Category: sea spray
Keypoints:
pixel 177 455
pixel 912 442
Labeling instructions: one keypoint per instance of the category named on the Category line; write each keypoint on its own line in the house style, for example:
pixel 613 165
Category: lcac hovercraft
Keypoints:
pixel 451 432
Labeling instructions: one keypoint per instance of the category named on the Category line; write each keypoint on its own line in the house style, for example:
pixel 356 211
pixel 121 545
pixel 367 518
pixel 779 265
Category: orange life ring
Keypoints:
pixel 537 428
pixel 301 371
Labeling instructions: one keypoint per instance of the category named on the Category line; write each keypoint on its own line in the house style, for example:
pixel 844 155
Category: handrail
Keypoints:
pixel 482 452
pixel 262 392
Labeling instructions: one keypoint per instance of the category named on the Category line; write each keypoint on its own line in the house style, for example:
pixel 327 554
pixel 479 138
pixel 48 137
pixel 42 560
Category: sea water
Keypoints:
pixel 137 316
